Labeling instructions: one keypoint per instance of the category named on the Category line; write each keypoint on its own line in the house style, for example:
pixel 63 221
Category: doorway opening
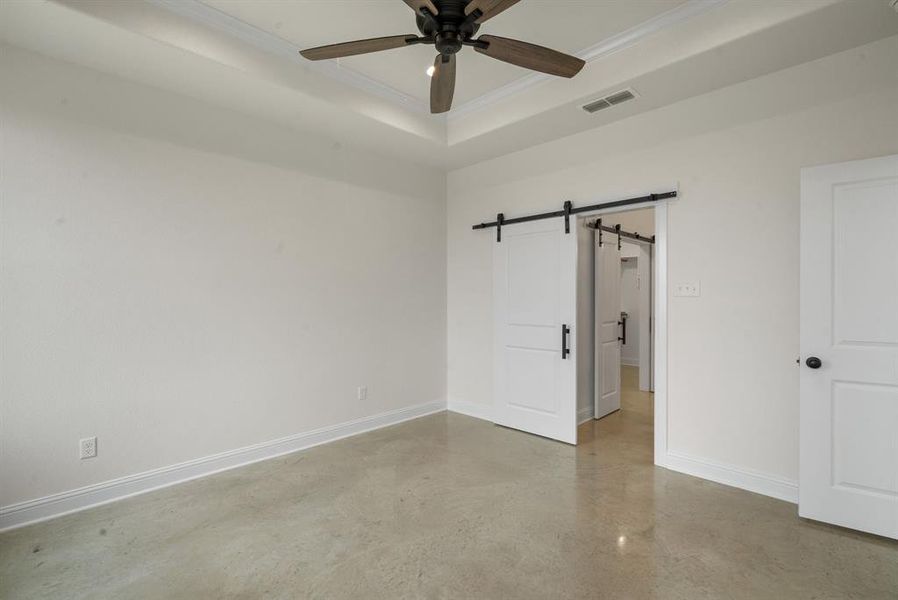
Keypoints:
pixel 615 363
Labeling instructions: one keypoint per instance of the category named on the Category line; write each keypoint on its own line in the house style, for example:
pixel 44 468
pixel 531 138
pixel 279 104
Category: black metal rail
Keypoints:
pixel 569 209
pixel 616 230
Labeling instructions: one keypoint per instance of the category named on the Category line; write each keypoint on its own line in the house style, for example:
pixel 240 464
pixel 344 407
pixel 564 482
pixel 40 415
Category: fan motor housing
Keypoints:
pixel 450 27
pixel 452 9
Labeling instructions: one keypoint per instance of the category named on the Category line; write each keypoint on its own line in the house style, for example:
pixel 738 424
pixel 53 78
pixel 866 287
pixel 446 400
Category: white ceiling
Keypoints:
pixel 243 55
pixel 570 26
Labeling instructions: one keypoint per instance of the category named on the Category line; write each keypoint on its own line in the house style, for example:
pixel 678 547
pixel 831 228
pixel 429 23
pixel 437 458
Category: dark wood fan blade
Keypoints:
pixel 442 86
pixel 530 56
pixel 417 5
pixel 359 47
pixel 489 8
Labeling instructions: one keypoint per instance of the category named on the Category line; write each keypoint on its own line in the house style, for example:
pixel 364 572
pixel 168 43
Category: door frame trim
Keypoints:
pixel 659 342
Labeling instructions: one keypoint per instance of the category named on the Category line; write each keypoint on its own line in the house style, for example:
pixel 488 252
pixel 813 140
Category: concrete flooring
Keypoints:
pixel 451 507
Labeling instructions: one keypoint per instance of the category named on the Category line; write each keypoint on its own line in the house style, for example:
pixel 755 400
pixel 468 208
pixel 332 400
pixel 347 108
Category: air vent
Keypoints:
pixel 620 97
pixel 596 106
pixel 610 100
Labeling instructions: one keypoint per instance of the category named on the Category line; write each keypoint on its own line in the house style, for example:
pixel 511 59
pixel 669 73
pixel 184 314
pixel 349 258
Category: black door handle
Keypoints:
pixel 623 324
pixel 813 362
pixel 564 349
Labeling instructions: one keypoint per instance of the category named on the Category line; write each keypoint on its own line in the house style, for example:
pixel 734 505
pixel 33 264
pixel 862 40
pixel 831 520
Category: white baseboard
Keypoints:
pixel 585 414
pixel 56 505
pixel 759 483
pixel 629 362
pixel 471 409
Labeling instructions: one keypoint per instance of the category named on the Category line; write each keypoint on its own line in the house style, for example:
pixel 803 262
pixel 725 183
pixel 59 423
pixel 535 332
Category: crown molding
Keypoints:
pixel 212 17
pixel 197 11
pixel 608 46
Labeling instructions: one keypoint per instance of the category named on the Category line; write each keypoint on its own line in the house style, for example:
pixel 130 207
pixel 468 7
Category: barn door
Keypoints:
pixel 534 289
pixel 849 345
pixel 608 324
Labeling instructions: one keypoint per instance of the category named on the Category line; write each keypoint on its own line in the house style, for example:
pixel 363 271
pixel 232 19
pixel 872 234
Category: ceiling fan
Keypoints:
pixel 450 25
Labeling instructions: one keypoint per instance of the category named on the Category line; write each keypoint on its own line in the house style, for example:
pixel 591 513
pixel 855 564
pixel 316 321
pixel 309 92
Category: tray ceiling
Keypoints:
pixel 572 26
pixel 243 55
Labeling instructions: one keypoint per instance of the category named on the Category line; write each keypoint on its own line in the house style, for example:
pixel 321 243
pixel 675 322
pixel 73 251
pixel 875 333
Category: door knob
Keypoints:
pixel 813 362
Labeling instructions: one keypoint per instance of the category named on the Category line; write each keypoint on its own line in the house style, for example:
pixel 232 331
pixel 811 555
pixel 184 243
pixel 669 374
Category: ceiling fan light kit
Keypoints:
pixel 450 25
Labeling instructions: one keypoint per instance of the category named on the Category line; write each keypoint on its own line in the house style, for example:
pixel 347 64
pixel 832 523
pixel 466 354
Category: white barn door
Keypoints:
pixel 849 345
pixel 608 326
pixel 534 290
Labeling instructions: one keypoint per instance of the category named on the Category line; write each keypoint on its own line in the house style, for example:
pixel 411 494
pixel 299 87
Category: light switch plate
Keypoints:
pixel 688 290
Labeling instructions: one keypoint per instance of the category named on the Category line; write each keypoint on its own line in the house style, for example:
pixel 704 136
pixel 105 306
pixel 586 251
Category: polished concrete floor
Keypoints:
pixel 451 507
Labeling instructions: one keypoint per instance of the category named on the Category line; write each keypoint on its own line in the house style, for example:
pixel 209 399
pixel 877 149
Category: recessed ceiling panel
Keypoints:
pixel 567 25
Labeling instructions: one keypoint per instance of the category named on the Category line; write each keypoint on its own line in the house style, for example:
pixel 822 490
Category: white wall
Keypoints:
pixel 735 155
pixel 180 280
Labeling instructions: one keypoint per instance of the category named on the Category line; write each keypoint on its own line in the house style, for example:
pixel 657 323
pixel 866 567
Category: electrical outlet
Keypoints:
pixel 687 290
pixel 363 392
pixel 88 447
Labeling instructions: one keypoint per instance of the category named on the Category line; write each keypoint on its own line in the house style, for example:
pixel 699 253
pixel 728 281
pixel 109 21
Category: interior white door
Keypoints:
pixel 608 325
pixel 534 290
pixel 849 345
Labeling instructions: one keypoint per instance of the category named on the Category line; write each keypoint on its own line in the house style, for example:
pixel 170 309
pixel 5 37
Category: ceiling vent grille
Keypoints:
pixel 610 100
